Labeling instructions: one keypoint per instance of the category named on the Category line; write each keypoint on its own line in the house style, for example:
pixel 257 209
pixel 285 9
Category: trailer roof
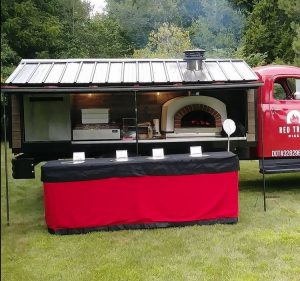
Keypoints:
pixel 122 72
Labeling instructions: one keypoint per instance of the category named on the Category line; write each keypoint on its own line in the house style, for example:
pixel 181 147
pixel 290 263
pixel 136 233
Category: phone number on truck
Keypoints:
pixel 285 153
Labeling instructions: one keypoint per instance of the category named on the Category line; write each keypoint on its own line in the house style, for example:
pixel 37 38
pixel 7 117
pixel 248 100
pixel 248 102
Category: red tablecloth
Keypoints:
pixel 141 201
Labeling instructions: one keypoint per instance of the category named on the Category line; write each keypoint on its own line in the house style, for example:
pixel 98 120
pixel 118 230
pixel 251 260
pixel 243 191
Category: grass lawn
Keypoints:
pixel 261 246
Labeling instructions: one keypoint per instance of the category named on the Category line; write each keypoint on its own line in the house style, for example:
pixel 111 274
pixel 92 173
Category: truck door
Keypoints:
pixel 284 140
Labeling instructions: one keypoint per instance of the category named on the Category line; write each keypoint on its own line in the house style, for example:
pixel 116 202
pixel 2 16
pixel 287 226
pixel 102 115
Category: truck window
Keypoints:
pixel 279 92
pixel 285 88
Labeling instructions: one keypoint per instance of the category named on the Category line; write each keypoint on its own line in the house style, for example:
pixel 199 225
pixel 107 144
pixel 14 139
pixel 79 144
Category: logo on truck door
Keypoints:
pixel 293 117
pixel 292 129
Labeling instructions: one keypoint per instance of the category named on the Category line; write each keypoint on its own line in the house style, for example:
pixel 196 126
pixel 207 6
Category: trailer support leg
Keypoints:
pixel 136 124
pixel 264 192
pixel 5 161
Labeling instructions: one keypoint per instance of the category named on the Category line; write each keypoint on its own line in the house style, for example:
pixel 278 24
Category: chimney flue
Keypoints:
pixel 194 59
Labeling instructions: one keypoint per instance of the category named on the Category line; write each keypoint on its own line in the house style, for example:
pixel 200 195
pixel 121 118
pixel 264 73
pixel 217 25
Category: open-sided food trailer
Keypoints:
pixel 97 106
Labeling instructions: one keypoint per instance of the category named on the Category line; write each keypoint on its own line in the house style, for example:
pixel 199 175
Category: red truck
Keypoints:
pixel 57 107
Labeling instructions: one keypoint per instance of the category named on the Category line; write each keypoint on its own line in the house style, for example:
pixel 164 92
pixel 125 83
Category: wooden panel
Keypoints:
pixel 251 137
pixel 251 97
pixel 16 143
pixel 251 115
pixel 16 122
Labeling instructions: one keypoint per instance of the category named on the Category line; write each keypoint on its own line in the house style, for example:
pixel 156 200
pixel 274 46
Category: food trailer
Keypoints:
pixel 100 105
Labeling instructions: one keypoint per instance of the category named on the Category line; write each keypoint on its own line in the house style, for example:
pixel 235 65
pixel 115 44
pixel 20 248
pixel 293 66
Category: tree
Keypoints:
pixel 255 59
pixel 217 17
pixel 292 10
pixel 74 16
pixel 169 41
pixel 218 30
pixel 9 58
pixel 190 11
pixel 105 38
pixel 296 47
pixel 30 32
pixel 269 31
pixel 246 6
pixel 139 18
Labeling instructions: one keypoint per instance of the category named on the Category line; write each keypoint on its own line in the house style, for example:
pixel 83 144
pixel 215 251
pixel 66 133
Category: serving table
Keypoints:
pixel 105 194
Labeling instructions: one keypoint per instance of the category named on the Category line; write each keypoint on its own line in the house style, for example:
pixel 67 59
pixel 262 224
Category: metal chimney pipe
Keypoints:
pixel 194 59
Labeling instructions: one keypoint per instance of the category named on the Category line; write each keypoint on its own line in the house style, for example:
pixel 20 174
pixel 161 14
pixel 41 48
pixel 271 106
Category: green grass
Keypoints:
pixel 261 246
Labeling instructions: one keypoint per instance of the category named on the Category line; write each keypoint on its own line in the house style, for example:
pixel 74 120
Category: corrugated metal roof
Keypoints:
pixel 127 71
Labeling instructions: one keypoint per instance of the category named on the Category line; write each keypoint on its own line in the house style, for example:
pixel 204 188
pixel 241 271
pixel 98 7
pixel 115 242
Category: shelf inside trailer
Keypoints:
pixel 194 139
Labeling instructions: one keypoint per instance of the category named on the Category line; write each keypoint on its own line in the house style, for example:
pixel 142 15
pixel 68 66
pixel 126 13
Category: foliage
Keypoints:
pixel 291 7
pixel 66 29
pixel 75 19
pixel 296 46
pixel 105 38
pixel 292 10
pixel 255 59
pixel 190 11
pixel 57 29
pixel 269 31
pixel 218 30
pixel 102 37
pixel 246 6
pixel 272 28
pixel 9 58
pixel 168 42
pixel 141 17
pixel 30 31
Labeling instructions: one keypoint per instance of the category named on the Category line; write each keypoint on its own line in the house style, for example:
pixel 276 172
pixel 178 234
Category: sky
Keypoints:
pixel 98 5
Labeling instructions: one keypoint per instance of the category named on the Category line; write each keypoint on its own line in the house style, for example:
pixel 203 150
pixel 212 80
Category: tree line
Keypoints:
pixel 260 31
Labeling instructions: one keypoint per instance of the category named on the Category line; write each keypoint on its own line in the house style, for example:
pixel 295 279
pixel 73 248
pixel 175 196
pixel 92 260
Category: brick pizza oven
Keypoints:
pixel 193 115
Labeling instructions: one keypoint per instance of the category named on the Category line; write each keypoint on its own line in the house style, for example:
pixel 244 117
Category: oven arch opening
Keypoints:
pixel 198 119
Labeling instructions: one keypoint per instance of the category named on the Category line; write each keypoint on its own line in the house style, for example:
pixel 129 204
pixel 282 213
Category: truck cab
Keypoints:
pixel 278 108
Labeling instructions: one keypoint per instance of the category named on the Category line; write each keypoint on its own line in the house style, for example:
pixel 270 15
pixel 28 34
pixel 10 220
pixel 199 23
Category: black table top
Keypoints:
pixel 176 164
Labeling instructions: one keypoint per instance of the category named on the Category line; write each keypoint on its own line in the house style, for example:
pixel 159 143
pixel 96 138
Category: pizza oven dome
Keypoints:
pixel 187 114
